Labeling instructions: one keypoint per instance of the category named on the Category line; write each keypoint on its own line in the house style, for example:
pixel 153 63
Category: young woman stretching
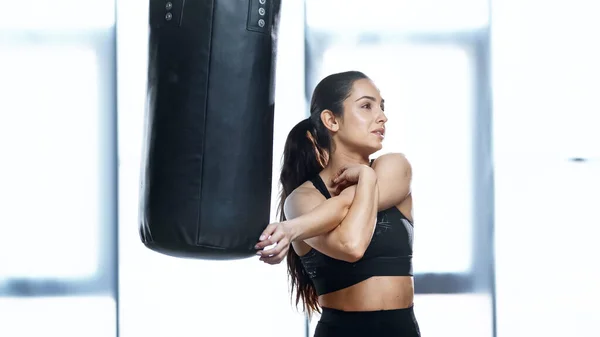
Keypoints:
pixel 347 217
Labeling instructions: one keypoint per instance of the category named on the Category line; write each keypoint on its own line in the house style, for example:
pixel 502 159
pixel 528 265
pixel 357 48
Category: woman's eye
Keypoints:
pixel 367 106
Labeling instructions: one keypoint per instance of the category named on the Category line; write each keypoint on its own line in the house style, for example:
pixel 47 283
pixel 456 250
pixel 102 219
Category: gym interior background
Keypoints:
pixel 495 104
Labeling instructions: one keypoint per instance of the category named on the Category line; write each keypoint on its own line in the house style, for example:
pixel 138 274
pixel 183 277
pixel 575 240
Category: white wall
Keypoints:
pixel 165 296
pixel 56 102
pixel 546 79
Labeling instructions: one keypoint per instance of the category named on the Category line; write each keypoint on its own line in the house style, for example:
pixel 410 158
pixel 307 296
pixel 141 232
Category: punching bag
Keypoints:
pixel 207 161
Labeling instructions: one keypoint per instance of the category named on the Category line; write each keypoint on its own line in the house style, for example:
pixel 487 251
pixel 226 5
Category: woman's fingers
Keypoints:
pixel 276 258
pixel 282 243
pixel 338 173
pixel 266 238
pixel 340 178
pixel 269 230
pixel 272 240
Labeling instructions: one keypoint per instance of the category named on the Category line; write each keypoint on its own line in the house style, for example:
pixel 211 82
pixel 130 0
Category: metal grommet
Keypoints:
pixel 261 11
pixel 262 2
pixel 261 23
pixel 169 5
pixel 169 16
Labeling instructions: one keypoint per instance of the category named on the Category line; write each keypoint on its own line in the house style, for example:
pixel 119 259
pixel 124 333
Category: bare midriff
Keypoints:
pixel 375 293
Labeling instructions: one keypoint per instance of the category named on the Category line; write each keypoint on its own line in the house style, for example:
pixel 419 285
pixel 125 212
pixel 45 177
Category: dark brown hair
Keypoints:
pixel 305 154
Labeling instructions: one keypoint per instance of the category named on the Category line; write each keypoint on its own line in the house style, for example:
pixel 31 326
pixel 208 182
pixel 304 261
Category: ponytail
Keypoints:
pixel 302 160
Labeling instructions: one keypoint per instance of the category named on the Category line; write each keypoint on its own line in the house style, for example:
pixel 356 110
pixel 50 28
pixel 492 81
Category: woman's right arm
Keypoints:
pixel 308 215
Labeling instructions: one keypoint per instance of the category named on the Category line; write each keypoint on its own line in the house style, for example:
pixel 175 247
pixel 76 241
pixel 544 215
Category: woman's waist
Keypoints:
pixel 369 323
pixel 373 294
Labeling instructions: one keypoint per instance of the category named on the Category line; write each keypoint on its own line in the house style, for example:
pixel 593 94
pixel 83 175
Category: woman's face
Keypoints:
pixel 362 126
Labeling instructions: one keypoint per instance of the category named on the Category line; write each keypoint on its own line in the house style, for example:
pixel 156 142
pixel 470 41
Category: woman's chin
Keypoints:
pixel 372 148
pixel 378 145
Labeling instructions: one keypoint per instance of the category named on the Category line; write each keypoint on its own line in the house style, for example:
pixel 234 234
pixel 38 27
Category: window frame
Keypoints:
pixel 481 275
pixel 105 280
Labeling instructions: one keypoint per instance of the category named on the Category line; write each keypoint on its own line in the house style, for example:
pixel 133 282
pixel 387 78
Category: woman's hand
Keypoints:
pixel 348 175
pixel 279 234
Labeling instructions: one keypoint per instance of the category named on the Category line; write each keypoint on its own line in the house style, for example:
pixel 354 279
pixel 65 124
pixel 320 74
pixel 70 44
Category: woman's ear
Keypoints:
pixel 330 120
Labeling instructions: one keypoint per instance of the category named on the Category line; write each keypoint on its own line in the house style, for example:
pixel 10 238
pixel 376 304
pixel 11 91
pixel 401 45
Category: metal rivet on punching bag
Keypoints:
pixel 207 161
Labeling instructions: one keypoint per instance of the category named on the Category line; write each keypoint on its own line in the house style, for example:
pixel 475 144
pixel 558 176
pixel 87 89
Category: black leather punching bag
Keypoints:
pixel 206 176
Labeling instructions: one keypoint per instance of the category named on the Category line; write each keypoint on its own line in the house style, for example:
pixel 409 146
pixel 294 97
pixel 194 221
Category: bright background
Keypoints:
pixel 491 101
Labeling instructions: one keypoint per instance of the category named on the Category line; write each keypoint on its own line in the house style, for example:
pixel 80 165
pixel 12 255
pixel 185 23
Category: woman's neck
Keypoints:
pixel 339 159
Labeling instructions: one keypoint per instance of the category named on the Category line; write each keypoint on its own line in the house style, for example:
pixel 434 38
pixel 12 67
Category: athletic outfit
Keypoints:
pixel 388 254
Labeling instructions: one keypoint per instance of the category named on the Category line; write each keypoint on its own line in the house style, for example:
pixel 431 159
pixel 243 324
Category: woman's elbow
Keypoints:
pixel 355 256
pixel 353 252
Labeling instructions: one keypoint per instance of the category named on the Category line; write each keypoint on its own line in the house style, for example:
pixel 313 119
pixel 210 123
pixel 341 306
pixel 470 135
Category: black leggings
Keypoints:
pixel 384 323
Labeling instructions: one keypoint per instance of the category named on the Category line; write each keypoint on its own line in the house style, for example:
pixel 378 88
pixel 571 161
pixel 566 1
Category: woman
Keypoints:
pixel 349 219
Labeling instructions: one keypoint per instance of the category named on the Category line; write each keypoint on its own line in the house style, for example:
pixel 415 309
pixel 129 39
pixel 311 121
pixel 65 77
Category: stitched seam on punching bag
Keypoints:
pixel 181 15
pixel 208 64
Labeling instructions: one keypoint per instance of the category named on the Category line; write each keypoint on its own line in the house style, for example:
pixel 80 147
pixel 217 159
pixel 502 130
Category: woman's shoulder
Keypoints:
pixel 394 176
pixel 393 160
pixel 306 189
pixel 302 199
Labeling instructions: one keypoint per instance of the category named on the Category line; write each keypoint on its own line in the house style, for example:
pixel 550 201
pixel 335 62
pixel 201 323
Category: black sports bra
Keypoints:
pixel 389 253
